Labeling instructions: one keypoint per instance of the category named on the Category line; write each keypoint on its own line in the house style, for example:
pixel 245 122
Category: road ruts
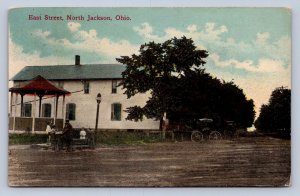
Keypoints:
pixel 260 161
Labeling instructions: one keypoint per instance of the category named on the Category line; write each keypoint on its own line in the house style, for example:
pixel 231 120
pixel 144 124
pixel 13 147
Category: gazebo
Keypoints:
pixel 37 87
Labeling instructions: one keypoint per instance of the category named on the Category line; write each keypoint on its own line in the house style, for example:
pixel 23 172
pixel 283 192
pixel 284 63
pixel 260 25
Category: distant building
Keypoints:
pixel 84 82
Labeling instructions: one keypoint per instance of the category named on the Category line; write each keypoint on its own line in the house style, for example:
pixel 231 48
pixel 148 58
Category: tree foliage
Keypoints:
pixel 276 115
pixel 202 95
pixel 172 73
pixel 157 68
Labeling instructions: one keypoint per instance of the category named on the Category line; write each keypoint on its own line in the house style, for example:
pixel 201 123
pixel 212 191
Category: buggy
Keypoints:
pixel 76 139
pixel 204 129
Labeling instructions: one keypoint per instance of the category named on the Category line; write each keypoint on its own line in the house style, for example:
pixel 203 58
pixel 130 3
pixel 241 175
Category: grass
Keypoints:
pixel 27 139
pixel 128 138
pixel 114 138
pixel 101 137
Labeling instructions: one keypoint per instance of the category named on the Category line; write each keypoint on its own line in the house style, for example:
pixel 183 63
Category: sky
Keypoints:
pixel 250 46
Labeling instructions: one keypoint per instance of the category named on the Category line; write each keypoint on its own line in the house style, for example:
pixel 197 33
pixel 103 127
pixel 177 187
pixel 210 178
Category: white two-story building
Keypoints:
pixel 84 82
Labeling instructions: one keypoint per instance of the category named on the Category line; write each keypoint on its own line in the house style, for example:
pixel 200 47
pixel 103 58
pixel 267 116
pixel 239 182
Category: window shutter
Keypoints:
pixel 74 112
pixel 116 111
pixel 67 111
pixel 112 111
pixel 71 111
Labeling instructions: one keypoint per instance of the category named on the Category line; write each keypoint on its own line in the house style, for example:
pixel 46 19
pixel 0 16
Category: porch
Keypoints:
pixel 32 121
pixel 24 124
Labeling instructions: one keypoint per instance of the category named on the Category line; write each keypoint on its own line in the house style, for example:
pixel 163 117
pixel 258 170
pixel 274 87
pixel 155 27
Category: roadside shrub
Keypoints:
pixel 27 138
pixel 123 137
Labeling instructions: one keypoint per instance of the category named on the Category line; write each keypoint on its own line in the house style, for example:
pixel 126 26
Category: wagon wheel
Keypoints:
pixel 227 134
pixel 215 135
pixel 196 136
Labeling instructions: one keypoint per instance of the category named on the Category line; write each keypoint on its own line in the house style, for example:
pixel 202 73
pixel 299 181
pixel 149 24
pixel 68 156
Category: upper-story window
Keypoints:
pixel 46 110
pixel 26 112
pixel 71 111
pixel 116 111
pixel 114 86
pixel 86 87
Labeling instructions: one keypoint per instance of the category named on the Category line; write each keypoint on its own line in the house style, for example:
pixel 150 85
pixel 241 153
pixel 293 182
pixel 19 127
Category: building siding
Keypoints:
pixel 86 105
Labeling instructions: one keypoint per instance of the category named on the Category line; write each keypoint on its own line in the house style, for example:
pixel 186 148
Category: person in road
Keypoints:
pixel 48 131
pixel 67 135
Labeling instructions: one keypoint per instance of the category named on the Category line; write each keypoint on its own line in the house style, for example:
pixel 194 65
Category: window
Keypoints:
pixel 26 110
pixel 114 87
pixel 46 110
pixel 71 111
pixel 116 111
pixel 86 87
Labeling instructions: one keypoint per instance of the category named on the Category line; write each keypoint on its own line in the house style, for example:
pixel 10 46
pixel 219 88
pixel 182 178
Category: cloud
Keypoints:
pixel 18 59
pixel 270 65
pixel 192 28
pixel 213 32
pixel 85 35
pixel 210 32
pixel 262 38
pixel 89 41
pixel 86 41
pixel 146 31
pixel 41 34
pixel 264 65
pixel 279 49
pixel 267 62
pixel 74 26
pixel 271 56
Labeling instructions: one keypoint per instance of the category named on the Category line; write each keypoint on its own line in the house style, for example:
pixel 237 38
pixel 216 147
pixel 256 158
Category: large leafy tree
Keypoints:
pixel 172 72
pixel 158 68
pixel 201 95
pixel 276 115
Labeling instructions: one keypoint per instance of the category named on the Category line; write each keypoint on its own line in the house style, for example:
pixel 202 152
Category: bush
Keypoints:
pixel 123 137
pixel 132 137
pixel 27 138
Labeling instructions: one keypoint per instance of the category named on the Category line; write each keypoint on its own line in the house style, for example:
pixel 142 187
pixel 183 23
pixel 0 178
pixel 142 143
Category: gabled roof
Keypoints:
pixel 39 86
pixel 71 72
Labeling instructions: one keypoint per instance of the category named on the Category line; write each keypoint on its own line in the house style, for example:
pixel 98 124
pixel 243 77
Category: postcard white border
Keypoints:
pixel 293 190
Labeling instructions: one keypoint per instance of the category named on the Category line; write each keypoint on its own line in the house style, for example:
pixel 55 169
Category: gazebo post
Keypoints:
pixel 14 122
pixel 40 104
pixel 33 113
pixel 56 104
pixel 55 108
pixel 63 109
pixel 10 107
pixel 22 100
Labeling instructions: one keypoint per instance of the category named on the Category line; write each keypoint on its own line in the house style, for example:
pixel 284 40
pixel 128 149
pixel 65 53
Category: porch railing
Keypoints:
pixel 25 123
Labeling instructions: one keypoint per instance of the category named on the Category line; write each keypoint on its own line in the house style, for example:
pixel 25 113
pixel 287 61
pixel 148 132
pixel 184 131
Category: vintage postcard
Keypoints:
pixel 149 97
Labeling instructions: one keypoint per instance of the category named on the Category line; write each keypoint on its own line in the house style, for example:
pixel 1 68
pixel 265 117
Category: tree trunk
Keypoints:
pixel 162 129
pixel 160 123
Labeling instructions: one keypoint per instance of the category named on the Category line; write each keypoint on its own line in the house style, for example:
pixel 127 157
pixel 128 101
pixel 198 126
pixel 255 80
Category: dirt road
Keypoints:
pixel 245 162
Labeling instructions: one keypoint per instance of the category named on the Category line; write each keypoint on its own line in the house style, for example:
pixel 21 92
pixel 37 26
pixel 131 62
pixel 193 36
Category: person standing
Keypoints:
pixel 67 135
pixel 48 131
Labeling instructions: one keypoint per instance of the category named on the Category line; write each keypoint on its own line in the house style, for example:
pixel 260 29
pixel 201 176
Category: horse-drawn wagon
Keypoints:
pixel 79 138
pixel 204 129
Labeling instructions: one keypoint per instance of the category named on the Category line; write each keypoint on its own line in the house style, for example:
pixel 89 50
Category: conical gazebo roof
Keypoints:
pixel 39 86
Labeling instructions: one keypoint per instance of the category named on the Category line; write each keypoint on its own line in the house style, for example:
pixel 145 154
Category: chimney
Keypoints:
pixel 77 60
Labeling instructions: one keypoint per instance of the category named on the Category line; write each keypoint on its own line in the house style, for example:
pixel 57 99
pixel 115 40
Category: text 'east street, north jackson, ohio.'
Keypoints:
pixel 88 18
